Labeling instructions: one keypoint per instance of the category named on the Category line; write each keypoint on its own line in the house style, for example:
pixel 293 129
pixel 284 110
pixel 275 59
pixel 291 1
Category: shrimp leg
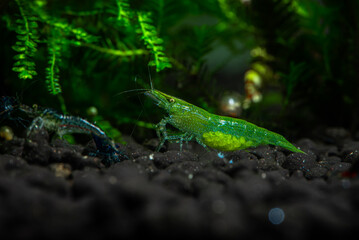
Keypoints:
pixel 164 136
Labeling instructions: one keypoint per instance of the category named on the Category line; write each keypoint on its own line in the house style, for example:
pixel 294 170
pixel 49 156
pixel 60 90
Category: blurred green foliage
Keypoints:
pixel 72 55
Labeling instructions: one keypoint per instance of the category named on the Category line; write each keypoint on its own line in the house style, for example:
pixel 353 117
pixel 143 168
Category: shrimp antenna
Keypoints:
pixel 149 73
pixel 132 90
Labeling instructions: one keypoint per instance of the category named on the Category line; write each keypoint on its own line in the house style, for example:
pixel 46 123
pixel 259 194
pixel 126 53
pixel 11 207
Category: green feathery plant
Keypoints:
pixel 153 42
pixel 26 44
pixel 52 71
pixel 124 13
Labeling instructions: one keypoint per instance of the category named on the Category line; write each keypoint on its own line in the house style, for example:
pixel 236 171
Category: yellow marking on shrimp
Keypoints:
pixel 225 142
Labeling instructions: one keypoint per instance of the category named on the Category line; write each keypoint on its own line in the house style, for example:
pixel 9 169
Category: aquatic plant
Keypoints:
pixel 70 55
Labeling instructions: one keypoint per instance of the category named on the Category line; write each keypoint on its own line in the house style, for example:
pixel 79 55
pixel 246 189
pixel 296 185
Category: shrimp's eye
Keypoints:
pixel 172 100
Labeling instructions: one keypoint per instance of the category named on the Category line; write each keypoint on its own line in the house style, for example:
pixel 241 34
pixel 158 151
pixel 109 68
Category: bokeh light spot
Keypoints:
pixel 276 216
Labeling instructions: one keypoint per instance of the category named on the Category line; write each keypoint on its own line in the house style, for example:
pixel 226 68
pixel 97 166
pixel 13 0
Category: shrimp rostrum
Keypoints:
pixel 210 130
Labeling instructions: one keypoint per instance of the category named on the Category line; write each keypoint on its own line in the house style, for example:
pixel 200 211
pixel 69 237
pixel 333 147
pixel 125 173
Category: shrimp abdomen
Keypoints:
pixel 237 134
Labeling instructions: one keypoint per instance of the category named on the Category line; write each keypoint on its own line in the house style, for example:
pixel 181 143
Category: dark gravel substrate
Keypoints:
pixel 56 190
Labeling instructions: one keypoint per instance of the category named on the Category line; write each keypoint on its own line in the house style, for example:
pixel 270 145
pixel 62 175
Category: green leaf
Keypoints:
pixel 25 75
pixel 20 56
pixel 19 48
pixel 18 69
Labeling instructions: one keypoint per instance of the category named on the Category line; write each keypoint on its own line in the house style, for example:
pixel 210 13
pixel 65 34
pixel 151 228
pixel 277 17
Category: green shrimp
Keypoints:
pixel 210 130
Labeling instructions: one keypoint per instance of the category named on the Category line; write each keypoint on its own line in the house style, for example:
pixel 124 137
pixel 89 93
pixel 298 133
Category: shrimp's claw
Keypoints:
pixel 108 151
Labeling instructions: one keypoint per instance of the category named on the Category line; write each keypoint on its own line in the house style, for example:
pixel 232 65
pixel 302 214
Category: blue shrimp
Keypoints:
pixel 61 124
pixel 65 124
